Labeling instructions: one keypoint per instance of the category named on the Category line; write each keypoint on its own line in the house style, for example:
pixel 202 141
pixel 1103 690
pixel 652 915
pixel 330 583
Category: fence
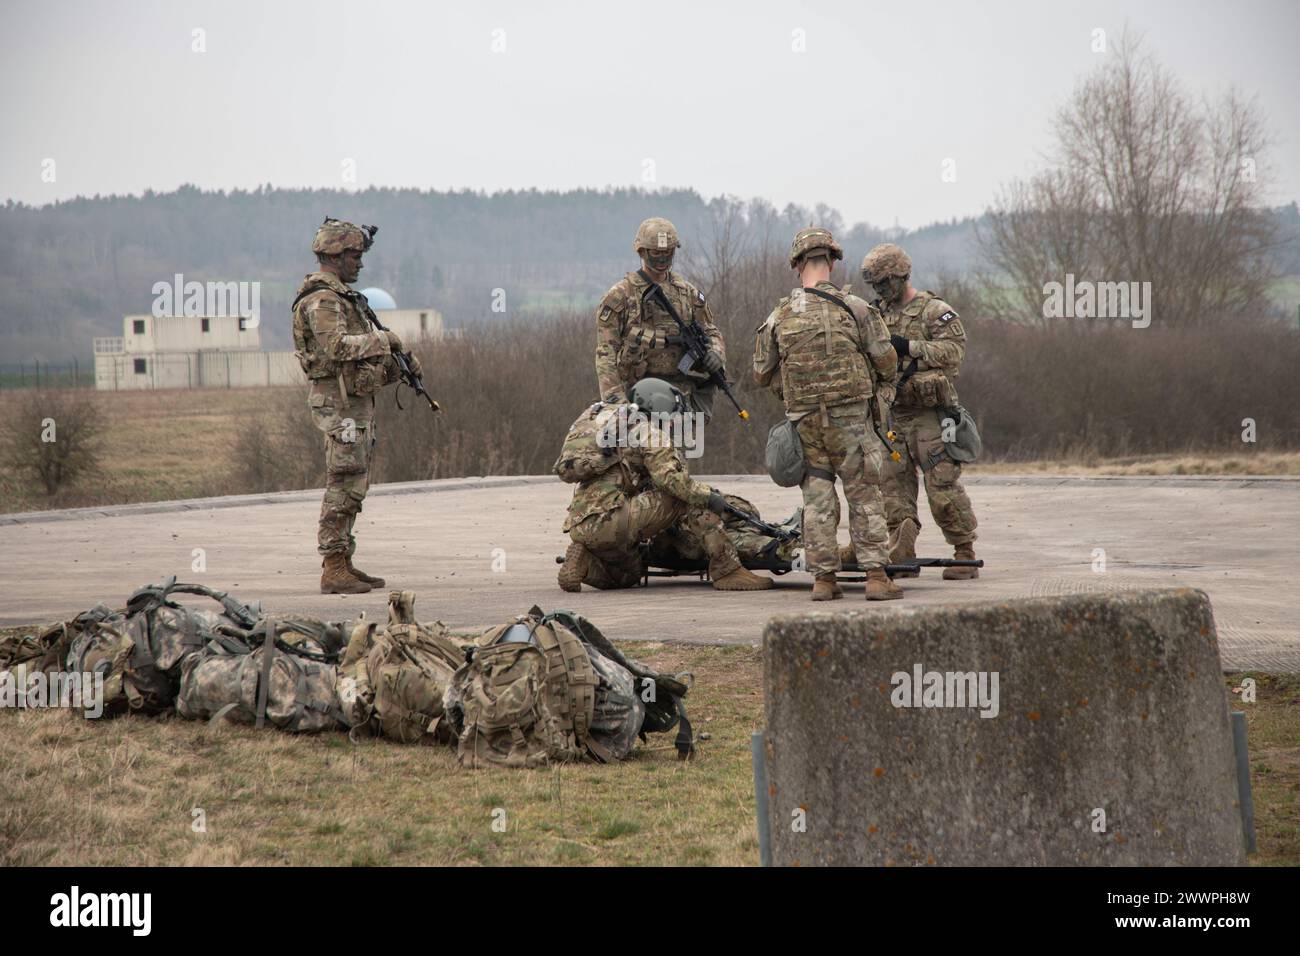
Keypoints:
pixel 35 374
pixel 230 368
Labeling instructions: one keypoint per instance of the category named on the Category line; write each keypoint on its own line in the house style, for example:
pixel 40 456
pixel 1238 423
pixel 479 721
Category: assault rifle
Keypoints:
pixel 771 530
pixel 409 378
pixel 693 339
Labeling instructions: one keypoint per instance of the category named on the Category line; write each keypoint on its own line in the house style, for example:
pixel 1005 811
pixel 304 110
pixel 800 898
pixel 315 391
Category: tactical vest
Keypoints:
pixel 646 349
pixel 315 363
pixel 910 326
pixel 927 388
pixel 822 364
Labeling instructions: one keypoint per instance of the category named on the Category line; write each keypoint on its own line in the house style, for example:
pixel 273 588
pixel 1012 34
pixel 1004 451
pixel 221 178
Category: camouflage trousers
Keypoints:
pixel 921 446
pixel 349 445
pixel 840 440
pixel 614 538
pixel 752 546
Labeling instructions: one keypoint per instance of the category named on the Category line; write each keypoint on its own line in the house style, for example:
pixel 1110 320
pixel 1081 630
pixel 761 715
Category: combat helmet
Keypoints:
pixel 336 237
pixel 886 261
pixel 656 396
pixel 657 234
pixel 810 239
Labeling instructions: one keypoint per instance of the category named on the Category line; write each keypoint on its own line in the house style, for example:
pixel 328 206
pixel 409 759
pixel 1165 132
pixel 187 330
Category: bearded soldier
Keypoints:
pixel 636 335
pixel 346 361
pixel 931 343
pixel 823 350
pixel 640 490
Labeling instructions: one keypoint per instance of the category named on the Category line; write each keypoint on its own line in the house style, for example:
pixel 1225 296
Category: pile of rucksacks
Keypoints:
pixel 541 688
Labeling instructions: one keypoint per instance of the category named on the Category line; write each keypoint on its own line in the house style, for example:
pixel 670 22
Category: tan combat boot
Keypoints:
pixel 826 588
pixel 742 579
pixel 902 546
pixel 575 567
pixel 370 579
pixel 963 552
pixel 880 588
pixel 337 579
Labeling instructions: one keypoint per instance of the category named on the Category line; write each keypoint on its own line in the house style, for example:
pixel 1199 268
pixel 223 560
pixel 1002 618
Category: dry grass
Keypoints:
pixel 1273 734
pixel 190 444
pixel 78 792
pixel 1263 463
pixel 122 792
pixel 158 446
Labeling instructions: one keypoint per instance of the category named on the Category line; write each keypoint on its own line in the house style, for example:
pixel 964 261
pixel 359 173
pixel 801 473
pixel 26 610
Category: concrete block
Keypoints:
pixel 1086 729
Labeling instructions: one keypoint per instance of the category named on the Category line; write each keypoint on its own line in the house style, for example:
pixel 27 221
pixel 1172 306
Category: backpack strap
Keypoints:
pixel 264 677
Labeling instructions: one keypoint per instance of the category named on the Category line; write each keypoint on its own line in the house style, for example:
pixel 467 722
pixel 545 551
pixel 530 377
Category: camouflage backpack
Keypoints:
pixel 140 650
pixel 45 648
pixel 392 680
pixel 540 690
pixel 589 448
pixel 283 672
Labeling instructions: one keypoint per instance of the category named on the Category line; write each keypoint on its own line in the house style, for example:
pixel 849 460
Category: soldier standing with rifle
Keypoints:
pixel 347 357
pixel 931 343
pixel 655 323
pixel 824 345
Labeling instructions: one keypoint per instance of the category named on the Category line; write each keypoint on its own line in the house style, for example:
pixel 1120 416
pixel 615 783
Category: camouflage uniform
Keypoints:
pixel 645 493
pixel 636 337
pixel 825 357
pixel 752 546
pixel 937 341
pixel 347 362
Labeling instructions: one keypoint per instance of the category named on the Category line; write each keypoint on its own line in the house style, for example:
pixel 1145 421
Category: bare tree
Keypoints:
pixel 1144 184
pixel 53 435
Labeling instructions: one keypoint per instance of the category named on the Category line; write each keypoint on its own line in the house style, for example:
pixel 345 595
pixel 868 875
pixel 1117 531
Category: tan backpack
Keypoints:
pixel 525 698
pixel 589 450
pixel 392 680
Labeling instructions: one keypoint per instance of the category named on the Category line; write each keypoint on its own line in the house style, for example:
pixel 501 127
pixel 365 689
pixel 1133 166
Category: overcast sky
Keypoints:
pixel 714 95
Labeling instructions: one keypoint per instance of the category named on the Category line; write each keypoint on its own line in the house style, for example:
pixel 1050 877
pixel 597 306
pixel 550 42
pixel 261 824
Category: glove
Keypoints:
pixel 712 361
pixel 414 362
pixel 901 345
pixel 717 503
pixel 394 343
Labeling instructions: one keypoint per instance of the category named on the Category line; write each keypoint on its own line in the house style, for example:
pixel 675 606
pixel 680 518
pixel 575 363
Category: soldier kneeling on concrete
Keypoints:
pixel 633 485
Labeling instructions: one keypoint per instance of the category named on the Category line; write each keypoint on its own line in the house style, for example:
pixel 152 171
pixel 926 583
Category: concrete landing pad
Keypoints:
pixel 480 550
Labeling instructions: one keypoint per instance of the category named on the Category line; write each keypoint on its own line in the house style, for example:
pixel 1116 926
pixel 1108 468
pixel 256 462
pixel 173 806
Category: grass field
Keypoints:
pixel 159 446
pixel 125 791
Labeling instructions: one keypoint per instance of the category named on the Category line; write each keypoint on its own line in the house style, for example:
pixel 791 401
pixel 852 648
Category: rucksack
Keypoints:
pixel 46 649
pixel 392 680
pixel 661 694
pixel 140 650
pixel 542 689
pixel 589 448
pixel 278 673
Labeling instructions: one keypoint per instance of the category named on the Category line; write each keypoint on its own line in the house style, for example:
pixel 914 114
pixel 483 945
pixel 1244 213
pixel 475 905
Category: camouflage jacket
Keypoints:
pixel 333 339
pixel 633 334
pixel 937 340
pixel 825 356
pixel 647 460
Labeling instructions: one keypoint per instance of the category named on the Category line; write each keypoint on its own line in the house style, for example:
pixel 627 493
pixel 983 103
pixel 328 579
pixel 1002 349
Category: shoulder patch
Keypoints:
pixel 615 299
pixel 948 316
